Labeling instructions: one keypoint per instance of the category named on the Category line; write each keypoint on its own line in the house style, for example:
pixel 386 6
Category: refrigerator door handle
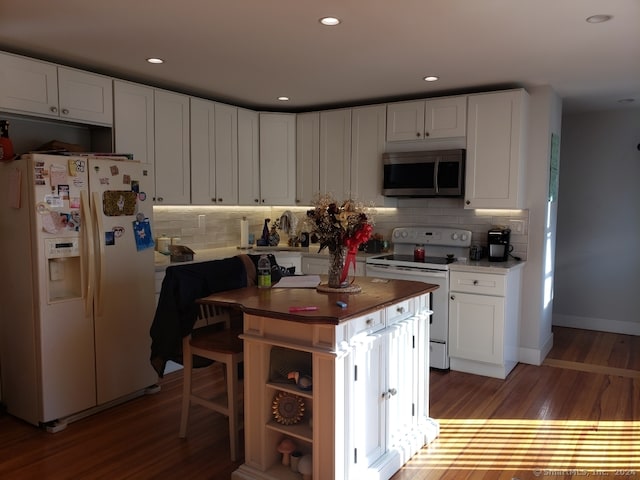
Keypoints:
pixel 99 242
pixel 89 258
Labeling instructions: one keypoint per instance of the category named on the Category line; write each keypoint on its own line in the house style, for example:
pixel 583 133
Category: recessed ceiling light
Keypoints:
pixel 283 98
pixel 599 18
pixel 431 78
pixel 329 21
pixel 155 60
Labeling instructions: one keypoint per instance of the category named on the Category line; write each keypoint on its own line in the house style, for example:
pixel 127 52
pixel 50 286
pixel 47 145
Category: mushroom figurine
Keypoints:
pixel 285 447
pixel 305 467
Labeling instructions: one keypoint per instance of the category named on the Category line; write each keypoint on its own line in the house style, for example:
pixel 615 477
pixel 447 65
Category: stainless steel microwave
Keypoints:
pixel 437 173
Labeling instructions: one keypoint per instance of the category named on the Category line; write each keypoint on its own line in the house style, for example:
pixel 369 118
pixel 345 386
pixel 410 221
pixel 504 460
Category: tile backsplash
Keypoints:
pixel 214 227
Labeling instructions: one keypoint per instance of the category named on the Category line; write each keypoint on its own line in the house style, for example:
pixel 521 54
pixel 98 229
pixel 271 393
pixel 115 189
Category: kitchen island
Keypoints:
pixel 367 409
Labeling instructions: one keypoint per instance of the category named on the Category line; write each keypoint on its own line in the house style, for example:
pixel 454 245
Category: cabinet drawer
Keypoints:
pixel 482 283
pixel 398 311
pixel 371 322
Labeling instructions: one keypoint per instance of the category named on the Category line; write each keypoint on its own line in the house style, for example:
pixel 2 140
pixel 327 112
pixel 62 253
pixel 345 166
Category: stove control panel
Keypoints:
pixel 444 236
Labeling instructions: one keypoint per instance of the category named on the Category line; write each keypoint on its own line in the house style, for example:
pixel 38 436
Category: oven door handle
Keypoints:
pixel 422 272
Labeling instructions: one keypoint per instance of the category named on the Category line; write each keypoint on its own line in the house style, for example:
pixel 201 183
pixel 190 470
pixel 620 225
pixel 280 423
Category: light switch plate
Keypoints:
pixel 516 226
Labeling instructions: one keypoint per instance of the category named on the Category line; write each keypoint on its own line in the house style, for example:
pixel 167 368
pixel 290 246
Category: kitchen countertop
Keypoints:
pixel 485 266
pixel 163 261
pixel 275 302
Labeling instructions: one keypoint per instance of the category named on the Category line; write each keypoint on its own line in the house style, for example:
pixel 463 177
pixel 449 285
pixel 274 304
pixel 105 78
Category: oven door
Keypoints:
pixel 439 329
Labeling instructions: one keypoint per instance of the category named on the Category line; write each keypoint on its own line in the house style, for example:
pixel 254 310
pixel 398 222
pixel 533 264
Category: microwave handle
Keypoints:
pixel 435 175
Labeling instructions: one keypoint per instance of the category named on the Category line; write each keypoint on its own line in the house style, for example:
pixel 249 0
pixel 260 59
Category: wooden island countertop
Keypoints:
pixel 275 302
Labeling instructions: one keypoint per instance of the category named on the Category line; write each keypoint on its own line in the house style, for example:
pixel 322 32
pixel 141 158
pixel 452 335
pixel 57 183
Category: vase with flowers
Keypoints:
pixel 340 228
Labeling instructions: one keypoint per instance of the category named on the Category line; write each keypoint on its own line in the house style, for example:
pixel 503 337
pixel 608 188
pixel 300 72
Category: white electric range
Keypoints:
pixel 442 246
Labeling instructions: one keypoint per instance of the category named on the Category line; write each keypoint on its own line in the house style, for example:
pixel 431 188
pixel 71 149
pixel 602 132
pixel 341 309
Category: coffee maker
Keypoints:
pixel 498 239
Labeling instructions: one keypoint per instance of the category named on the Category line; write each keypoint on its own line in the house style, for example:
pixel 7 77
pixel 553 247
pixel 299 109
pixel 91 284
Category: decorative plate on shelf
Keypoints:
pixel 287 408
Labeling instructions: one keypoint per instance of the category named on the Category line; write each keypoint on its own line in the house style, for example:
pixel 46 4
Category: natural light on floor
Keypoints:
pixel 538 446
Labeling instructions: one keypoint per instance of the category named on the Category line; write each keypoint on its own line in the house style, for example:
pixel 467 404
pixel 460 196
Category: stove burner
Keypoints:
pixel 409 258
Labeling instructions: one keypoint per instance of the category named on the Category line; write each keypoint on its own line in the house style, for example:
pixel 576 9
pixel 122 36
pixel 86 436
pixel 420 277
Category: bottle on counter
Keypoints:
pixel 264 272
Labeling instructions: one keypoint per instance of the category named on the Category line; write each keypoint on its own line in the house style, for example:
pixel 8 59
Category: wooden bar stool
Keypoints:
pixel 223 346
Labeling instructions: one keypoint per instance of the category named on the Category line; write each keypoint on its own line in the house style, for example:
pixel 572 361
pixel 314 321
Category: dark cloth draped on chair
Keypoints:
pixel 177 311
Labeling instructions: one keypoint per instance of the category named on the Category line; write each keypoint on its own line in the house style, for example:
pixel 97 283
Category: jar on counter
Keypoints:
pixel 163 244
pixel 418 253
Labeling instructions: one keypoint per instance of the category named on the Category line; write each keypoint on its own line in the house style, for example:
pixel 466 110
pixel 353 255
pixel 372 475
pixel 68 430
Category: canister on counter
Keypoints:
pixel 418 253
pixel 163 244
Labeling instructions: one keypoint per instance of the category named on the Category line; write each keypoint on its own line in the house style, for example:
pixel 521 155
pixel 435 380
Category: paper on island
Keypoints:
pixel 299 281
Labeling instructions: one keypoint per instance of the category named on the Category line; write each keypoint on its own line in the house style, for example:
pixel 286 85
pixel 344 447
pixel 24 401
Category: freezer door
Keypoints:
pixel 125 300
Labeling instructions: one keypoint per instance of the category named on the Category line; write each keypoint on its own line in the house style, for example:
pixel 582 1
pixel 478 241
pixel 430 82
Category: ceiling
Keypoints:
pixel 249 52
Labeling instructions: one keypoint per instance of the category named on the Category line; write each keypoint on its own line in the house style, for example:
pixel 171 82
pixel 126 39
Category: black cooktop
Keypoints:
pixel 409 258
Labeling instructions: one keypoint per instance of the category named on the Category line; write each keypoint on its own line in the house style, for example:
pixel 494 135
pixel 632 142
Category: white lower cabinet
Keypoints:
pixel 484 315
pixel 368 411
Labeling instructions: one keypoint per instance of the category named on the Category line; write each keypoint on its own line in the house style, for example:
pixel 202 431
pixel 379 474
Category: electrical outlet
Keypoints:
pixel 516 226
pixel 201 221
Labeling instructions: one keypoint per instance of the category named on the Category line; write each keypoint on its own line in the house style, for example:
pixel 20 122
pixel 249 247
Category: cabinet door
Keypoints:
pixel 476 327
pixel 368 406
pixel 172 166
pixel 28 85
pixel 307 157
pixel 133 120
pixel 405 121
pixel 277 158
pixel 248 157
pixel 400 388
pixel 335 153
pixel 367 147
pixel 203 152
pixel 445 117
pixel 85 96
pixel 226 154
pixel 495 150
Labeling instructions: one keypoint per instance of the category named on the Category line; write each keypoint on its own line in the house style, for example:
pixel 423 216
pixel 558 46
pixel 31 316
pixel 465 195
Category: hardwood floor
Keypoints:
pixel 555 420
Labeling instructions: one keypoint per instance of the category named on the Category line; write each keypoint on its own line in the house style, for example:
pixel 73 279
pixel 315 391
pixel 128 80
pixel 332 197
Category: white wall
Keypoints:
pixel 536 338
pixel 598 249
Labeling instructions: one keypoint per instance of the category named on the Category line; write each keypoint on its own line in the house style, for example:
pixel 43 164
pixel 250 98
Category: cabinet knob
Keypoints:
pixel 65 111
pixel 160 199
pixel 369 321
pixel 256 200
pixel 220 200
pixel 418 135
pixel 392 392
pixel 468 202
pixel 213 200
pixel 452 297
pixel 53 109
pixel 400 309
pixel 426 134
pixel 475 282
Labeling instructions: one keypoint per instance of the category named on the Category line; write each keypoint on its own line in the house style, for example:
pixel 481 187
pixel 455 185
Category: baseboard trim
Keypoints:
pixel 598 324
pixel 535 356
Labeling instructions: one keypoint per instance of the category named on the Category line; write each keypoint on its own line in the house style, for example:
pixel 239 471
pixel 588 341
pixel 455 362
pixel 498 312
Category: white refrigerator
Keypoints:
pixel 77 285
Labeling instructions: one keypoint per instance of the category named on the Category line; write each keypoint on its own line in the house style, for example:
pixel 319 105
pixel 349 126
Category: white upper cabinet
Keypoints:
pixel 172 166
pixel 44 89
pixel 496 150
pixel 277 158
pixel 214 153
pixel 133 123
pixel 335 153
pixel 307 157
pixel 427 119
pixel 367 147
pixel 248 157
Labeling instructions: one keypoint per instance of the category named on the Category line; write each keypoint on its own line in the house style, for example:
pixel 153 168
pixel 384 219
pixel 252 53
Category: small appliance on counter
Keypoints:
pixel 180 253
pixel 498 239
